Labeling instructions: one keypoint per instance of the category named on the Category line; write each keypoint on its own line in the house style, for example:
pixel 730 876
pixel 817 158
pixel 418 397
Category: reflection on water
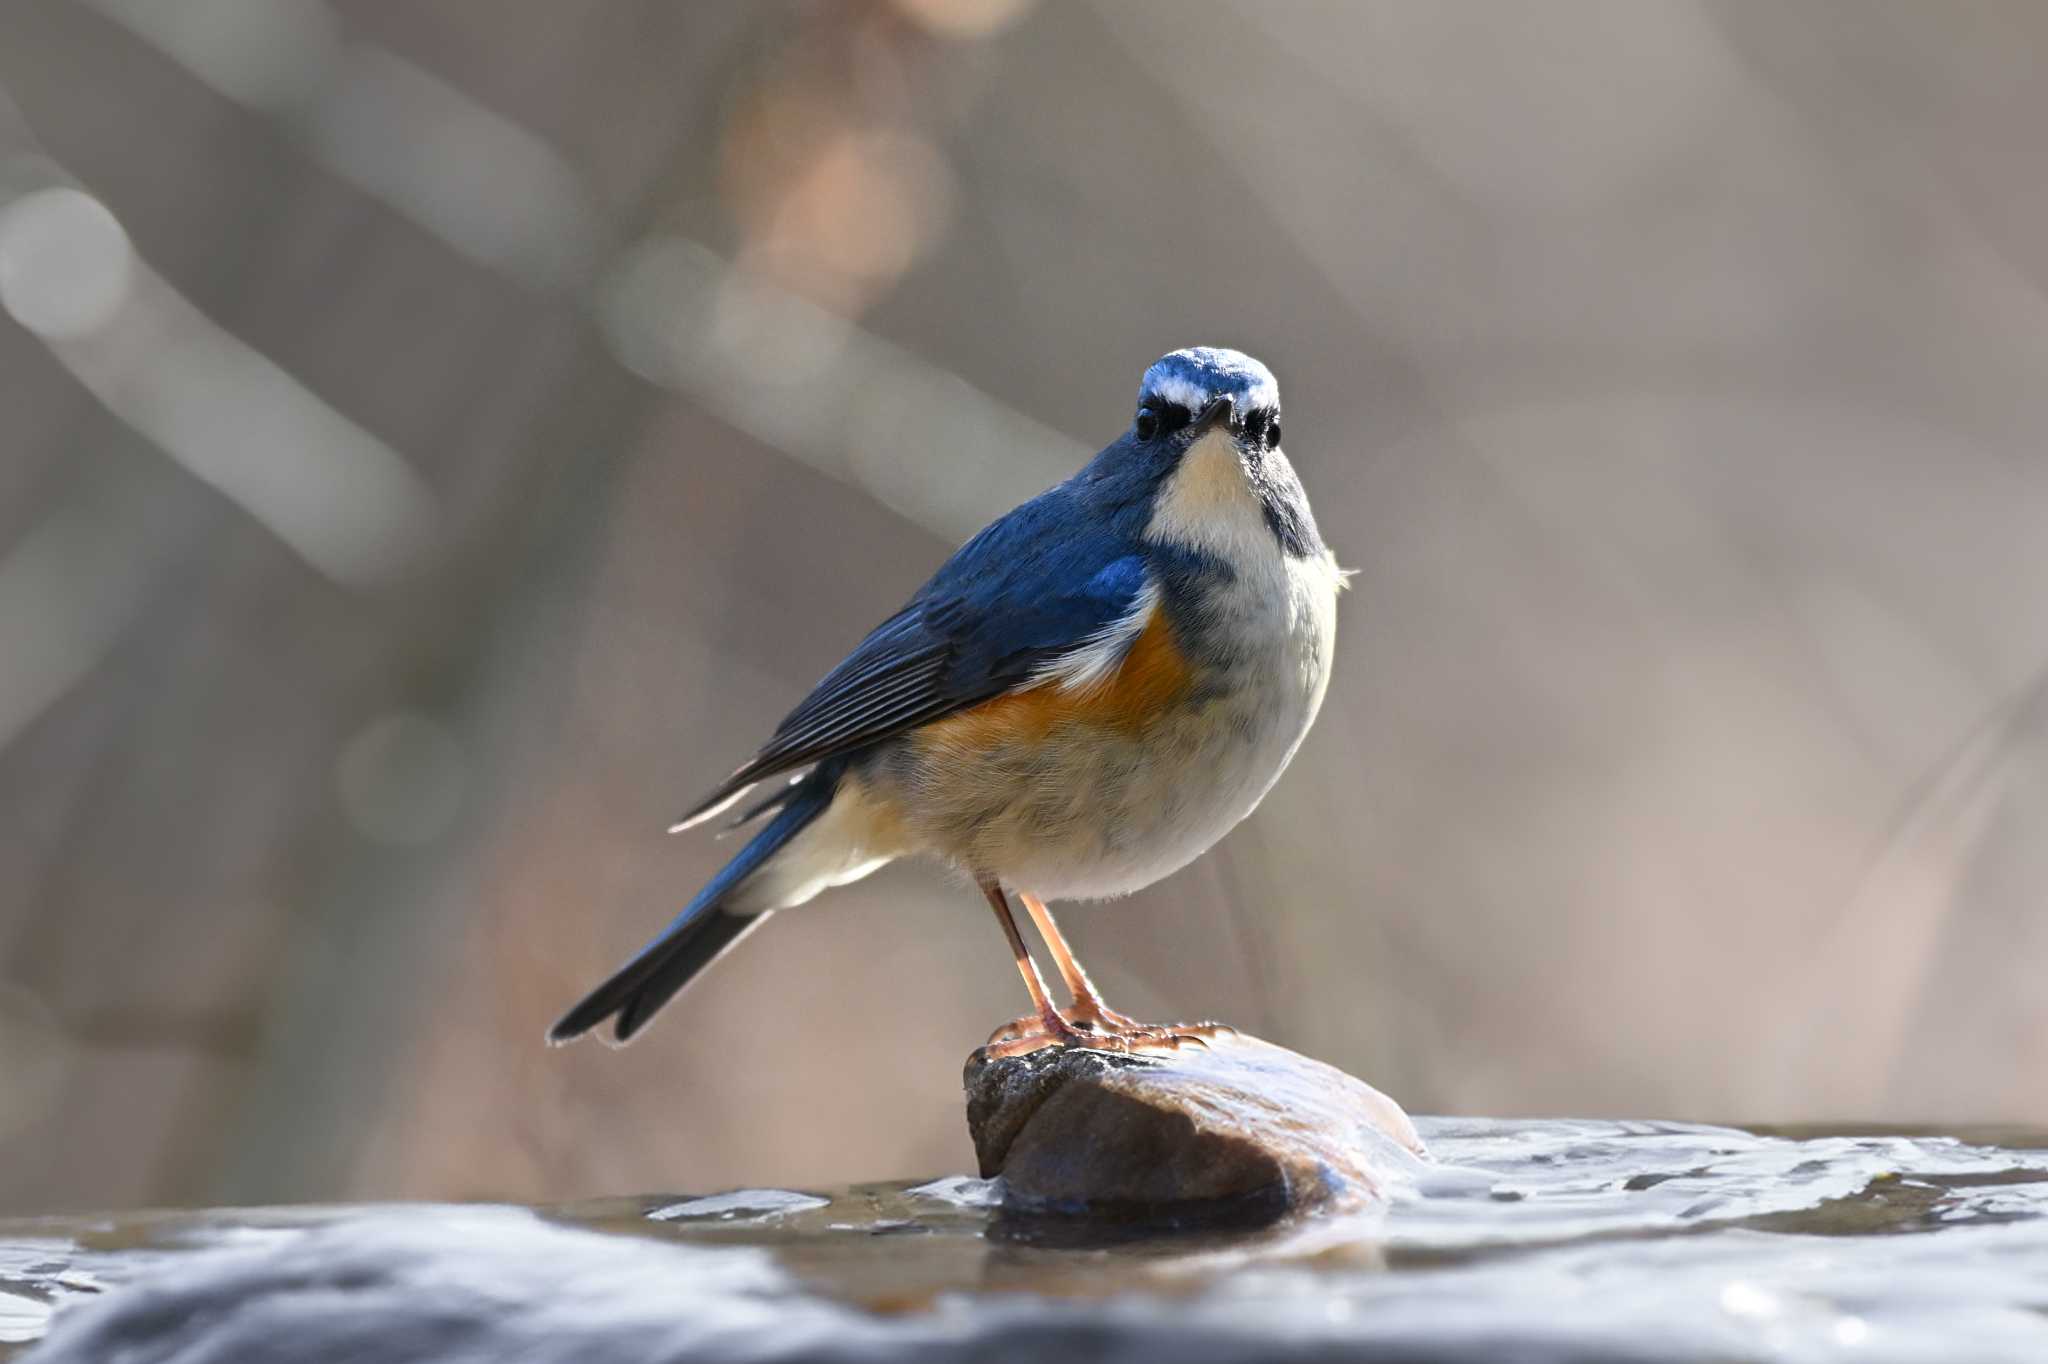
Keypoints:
pixel 1652 1240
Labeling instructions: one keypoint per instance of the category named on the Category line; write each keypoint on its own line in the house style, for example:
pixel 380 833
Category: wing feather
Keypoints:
pixel 1001 614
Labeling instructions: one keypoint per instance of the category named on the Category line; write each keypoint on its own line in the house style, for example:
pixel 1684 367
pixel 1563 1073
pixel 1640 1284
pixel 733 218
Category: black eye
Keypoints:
pixel 1263 428
pixel 1147 425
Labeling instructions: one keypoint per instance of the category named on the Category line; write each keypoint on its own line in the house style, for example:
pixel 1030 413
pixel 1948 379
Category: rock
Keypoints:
pixel 1242 1131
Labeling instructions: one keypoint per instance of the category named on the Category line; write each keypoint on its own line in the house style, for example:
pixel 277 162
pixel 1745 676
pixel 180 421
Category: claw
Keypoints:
pixel 1100 1030
pixel 1022 1036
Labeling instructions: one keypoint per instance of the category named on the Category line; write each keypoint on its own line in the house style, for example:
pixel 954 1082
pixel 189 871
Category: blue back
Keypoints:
pixel 1033 585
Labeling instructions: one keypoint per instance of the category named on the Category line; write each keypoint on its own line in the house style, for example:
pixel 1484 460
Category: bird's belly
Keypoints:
pixel 1098 815
pixel 1088 797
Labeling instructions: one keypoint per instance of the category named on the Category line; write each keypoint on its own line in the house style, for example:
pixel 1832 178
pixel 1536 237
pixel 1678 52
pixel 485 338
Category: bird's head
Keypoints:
pixel 1205 389
pixel 1208 421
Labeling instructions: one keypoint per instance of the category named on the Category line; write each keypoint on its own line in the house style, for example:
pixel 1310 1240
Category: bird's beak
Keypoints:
pixel 1219 410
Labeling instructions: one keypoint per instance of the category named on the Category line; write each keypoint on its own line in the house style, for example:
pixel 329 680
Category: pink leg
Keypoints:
pixel 1090 1013
pixel 1043 1027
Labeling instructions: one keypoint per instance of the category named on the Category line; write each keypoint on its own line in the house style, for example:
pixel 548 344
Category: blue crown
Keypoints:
pixel 1199 374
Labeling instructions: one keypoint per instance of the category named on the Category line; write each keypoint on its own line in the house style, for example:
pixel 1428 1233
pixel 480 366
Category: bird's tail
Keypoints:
pixel 718 917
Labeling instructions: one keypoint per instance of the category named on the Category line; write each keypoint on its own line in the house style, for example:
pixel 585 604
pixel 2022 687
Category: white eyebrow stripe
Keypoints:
pixel 1173 388
pixel 1264 392
pixel 1095 660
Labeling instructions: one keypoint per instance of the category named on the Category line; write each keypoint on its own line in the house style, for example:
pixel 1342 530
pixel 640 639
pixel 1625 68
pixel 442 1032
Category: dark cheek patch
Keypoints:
pixel 1286 508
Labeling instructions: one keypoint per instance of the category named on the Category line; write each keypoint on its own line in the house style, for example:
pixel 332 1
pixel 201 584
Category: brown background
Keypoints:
pixel 1671 373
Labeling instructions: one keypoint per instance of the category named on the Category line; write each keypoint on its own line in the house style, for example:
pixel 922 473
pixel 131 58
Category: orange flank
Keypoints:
pixel 1153 675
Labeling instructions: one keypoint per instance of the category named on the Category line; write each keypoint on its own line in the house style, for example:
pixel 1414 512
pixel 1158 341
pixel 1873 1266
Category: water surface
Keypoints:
pixel 1569 1239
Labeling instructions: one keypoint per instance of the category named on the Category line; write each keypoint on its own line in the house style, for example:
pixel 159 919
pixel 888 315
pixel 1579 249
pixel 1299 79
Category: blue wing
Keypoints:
pixel 1025 591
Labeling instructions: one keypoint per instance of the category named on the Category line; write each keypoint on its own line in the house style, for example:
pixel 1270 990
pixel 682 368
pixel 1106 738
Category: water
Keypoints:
pixel 1570 1240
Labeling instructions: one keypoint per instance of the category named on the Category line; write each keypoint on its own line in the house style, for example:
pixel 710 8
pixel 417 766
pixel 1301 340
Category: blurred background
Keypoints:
pixel 442 436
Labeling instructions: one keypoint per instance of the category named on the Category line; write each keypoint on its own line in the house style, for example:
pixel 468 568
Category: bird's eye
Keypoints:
pixel 1147 425
pixel 1255 427
pixel 1273 434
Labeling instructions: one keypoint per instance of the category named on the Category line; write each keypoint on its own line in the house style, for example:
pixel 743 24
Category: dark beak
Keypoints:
pixel 1219 410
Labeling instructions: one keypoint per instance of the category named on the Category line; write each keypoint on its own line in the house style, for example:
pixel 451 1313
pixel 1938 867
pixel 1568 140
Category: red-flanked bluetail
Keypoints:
pixel 1083 699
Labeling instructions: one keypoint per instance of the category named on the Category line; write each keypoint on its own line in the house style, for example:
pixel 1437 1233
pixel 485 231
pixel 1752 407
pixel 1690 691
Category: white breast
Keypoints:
pixel 1281 607
pixel 1208 764
pixel 1212 764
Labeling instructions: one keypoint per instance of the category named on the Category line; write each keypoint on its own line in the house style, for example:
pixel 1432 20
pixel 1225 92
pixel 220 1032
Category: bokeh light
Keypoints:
pixel 65 263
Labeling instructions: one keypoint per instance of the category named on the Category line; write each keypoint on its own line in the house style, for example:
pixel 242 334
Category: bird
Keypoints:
pixel 1088 695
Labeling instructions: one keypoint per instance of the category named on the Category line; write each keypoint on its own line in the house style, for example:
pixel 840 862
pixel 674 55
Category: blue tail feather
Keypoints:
pixel 702 932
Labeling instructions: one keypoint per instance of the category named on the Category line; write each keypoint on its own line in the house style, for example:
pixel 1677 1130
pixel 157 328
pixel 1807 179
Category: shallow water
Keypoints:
pixel 1571 1239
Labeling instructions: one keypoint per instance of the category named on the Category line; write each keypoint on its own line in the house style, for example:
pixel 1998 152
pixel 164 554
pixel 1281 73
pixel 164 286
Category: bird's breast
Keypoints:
pixel 1100 790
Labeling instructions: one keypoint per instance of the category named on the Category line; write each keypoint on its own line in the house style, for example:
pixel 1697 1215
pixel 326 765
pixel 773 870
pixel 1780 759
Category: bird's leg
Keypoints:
pixel 1090 1011
pixel 1043 1027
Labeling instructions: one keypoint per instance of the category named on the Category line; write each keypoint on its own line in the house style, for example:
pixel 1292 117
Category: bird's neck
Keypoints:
pixel 1219 500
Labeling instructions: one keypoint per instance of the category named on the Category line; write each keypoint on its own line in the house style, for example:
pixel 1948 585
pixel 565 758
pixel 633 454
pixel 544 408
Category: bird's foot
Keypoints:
pixel 1098 1028
pixel 1022 1036
pixel 1101 1021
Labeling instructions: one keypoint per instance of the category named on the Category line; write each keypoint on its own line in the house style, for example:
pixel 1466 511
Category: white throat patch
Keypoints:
pixel 1208 502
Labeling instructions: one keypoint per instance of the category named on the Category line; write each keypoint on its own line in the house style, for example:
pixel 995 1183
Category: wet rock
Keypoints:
pixel 1241 1131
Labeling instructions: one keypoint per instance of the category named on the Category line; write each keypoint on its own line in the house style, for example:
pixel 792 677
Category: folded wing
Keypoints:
pixel 1026 602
